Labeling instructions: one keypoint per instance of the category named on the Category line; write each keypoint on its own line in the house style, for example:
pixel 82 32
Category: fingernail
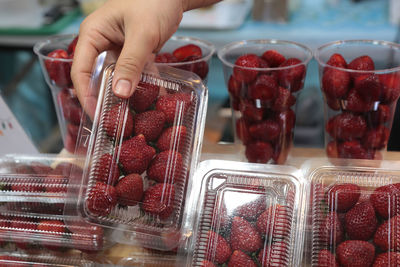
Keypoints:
pixel 123 88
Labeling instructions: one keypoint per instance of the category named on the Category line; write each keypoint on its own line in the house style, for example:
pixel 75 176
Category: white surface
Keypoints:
pixel 228 14
pixel 21 14
pixel 13 139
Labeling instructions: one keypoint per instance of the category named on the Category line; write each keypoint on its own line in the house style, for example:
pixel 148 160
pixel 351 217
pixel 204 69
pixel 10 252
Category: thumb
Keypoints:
pixel 129 66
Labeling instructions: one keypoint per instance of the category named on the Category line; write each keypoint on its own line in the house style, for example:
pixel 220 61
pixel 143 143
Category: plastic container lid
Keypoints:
pixel 354 213
pixel 141 154
pixel 248 213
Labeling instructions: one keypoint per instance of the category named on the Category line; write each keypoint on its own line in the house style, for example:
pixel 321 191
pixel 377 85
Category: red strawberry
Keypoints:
pixel 273 58
pixel 235 87
pixel 106 170
pixel 85 236
pixel 362 63
pixel 53 230
pixel 331 150
pixel 135 155
pixel 173 138
pixel 22 228
pixel 102 199
pixel 252 209
pixel 206 263
pixel 198 67
pixel 354 150
pixel 391 87
pixel 333 103
pixel 267 130
pixel 274 222
pixel 385 200
pixel 335 83
pixel 165 58
pixel 342 197
pixel 58 66
pixel 27 186
pixel 292 77
pixel 387 259
pixel 70 107
pixel 368 87
pixel 259 152
pixel 174 106
pixel 40 168
pixel 242 131
pixel 159 200
pixel 355 103
pixel 355 253
pixel 275 255
pixel 387 236
pixel 347 126
pixel 264 65
pixel 184 52
pixel 129 189
pixel 286 120
pixel 380 116
pixel 331 231
pixel 143 97
pixel 250 112
pixel 327 259
pixel 23 169
pixel 244 236
pixel 239 258
pixel 7 261
pixel 284 100
pixel 243 71
pixel 150 124
pixel 166 167
pixel 114 122
pixel 361 222
pixel 263 88
pixel 72 45
pixel 376 138
pixel 337 60
pixel 218 250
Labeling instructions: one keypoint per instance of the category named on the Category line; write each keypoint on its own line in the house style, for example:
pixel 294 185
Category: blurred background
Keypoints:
pixel 311 22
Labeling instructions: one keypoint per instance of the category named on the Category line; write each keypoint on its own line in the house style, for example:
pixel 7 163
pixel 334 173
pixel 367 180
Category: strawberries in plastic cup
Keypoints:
pixel 263 79
pixel 360 82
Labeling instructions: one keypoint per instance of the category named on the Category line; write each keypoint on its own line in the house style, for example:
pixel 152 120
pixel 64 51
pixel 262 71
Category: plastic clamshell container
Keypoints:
pixel 151 260
pixel 352 210
pixel 244 208
pixel 132 145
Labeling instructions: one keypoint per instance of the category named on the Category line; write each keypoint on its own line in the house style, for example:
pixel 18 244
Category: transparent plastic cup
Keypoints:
pixel 56 71
pixel 263 78
pixel 360 82
pixel 180 52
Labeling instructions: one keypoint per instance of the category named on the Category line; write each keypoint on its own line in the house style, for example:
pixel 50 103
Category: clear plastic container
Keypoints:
pixel 142 153
pixel 354 211
pixel 248 213
pixel 149 259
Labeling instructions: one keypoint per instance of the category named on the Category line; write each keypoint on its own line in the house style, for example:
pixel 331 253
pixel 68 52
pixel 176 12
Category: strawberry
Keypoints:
pixel 150 124
pixel 331 231
pixel 7 261
pixel 135 155
pixel 337 60
pixel 263 88
pixel 40 168
pixel 385 200
pixel 259 152
pixel 244 236
pixel 235 87
pixel 273 58
pixel 239 258
pixel 286 120
pixel 376 138
pixel 143 97
pixel 159 200
pixel 114 121
pixel 354 150
pixel 27 186
pixel 198 67
pixel 284 100
pixel 292 77
pixel 206 263
pixel 165 58
pixel 274 222
pixel 333 103
pixel 355 103
pixel 72 45
pixel 235 103
pixel 218 250
pixel 346 126
pixel 355 253
pixel 263 64
pixel 51 226
pixel 361 222
pixel 174 106
pixel 166 167
pixel 129 189
pixel 380 116
pixel 391 87
pixel 267 130
pixel 387 259
pixel 327 259
pixel 243 71
pixel 362 63
pixel 252 209
pixel 331 150
pixel 250 111
pixel 23 169
pixel 173 138
pixel 184 52
pixel 86 237
pixel 242 131
pixel 368 87
pixel 106 170
pixel 22 226
pixel 58 67
pixel 342 197
pixel 335 83
pixel 73 130
pixel 70 107
pixel 387 236
pixel 101 200
pixel 275 255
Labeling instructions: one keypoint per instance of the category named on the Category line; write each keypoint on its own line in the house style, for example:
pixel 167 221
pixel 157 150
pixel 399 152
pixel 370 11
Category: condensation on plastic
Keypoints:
pixel 131 224
pixel 321 174
pixel 226 186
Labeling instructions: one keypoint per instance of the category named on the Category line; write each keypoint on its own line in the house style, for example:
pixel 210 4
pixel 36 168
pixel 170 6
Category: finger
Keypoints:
pixel 137 48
